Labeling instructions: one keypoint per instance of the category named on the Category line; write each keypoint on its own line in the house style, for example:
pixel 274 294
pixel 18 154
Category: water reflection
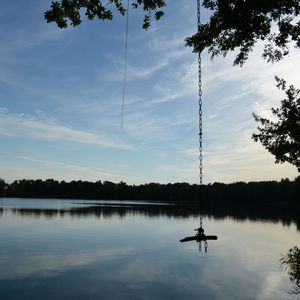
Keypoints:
pixel 291 264
pixel 131 251
pixel 99 210
pixel 52 264
pixel 200 237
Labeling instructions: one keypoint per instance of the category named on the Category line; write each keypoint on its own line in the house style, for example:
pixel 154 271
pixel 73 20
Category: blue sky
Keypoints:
pixel 61 93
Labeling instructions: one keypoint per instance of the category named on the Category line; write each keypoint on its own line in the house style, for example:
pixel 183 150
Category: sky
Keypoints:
pixel 61 98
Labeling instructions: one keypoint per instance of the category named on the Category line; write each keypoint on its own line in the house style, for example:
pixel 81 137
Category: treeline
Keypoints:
pixel 266 192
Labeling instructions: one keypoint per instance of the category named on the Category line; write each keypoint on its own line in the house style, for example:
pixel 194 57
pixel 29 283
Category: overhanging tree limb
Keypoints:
pixel 233 24
pixel 282 137
pixel 71 10
pixel 239 24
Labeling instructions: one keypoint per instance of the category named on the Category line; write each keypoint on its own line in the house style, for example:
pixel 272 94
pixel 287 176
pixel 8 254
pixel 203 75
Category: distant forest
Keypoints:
pixel 284 192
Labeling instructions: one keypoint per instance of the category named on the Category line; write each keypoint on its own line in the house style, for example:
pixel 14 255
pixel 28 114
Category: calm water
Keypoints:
pixel 72 249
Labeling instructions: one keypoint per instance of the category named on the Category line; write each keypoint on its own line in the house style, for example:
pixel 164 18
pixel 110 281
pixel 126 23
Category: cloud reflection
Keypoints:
pixel 47 264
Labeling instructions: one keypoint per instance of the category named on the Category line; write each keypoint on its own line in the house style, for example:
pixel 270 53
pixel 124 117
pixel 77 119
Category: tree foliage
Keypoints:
pixel 239 24
pixel 282 137
pixel 291 263
pixel 233 24
pixel 61 12
pixel 220 194
pixel 3 186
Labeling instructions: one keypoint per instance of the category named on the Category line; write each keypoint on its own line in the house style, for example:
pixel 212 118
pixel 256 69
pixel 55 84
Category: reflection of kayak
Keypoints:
pixel 199 237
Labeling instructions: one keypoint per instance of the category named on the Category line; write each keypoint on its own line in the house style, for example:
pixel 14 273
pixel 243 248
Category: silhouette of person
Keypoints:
pixel 200 231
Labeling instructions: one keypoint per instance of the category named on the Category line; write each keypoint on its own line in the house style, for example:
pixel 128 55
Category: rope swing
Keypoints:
pixel 199 84
pixel 200 96
pixel 125 66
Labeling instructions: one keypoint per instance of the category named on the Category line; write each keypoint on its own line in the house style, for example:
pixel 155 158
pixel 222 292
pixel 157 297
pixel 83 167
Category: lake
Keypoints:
pixel 83 249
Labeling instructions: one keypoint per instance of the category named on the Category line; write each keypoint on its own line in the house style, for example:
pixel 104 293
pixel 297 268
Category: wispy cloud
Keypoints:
pixel 238 158
pixel 49 163
pixel 146 69
pixel 22 125
pixel 244 160
pixel 94 172
pixel 20 39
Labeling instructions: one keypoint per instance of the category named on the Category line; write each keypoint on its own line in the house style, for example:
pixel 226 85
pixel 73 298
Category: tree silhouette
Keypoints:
pixel 291 263
pixel 3 187
pixel 239 24
pixel 282 137
pixel 71 10
pixel 233 24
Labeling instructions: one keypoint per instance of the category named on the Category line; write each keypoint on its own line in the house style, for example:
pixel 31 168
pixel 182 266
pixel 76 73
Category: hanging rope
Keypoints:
pixel 125 66
pixel 200 97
